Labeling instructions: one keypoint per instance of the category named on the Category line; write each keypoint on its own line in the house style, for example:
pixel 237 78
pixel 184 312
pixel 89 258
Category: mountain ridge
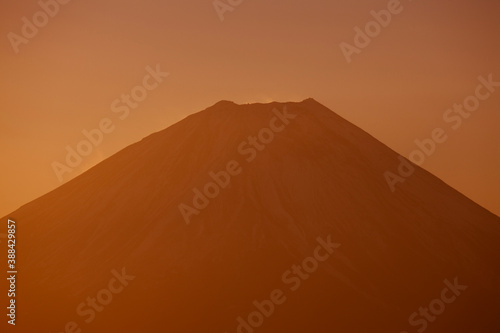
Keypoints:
pixel 320 176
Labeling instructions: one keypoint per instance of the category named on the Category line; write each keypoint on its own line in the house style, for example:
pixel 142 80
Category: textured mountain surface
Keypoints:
pixel 318 176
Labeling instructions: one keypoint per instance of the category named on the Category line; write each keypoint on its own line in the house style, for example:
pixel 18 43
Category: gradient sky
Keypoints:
pixel 397 89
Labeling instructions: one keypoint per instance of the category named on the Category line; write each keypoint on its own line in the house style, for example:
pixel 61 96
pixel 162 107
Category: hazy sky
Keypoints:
pixel 65 78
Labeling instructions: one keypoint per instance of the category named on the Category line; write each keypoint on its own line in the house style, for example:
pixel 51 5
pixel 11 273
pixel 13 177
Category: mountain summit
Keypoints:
pixel 257 218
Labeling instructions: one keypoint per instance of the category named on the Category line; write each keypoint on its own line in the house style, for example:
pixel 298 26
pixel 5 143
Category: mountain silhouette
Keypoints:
pixel 237 205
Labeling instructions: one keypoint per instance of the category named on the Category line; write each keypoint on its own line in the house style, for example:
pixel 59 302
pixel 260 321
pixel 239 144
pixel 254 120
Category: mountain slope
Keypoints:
pixel 319 176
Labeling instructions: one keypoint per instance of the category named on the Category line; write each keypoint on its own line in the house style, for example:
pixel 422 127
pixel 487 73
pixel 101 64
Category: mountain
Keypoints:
pixel 256 218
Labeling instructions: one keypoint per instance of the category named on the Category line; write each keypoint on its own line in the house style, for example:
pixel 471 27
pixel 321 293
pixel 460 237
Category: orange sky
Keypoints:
pixel 91 52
